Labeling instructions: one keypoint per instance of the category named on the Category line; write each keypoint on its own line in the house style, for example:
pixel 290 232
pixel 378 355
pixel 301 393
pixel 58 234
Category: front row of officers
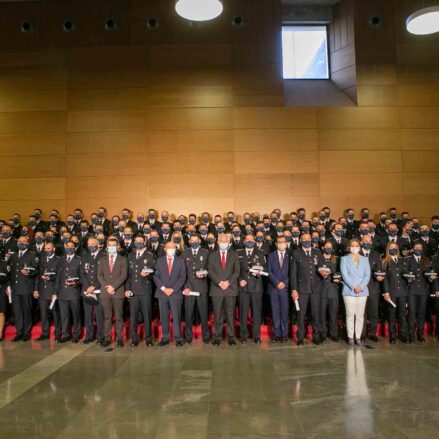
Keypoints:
pixel 307 280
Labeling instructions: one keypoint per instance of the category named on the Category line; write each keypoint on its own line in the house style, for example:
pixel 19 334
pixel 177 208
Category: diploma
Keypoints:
pixel 296 304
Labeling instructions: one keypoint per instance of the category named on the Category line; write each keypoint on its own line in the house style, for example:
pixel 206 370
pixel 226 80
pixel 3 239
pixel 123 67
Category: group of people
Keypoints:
pixel 283 268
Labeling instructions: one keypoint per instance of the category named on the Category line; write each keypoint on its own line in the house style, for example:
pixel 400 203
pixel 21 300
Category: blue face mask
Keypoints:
pixel 154 239
pixel 247 220
pixel 65 239
pixel 220 229
pixel 211 240
pixel 31 223
pixel 259 238
pixel 288 238
pixel 409 232
pixel 177 228
pixel 364 232
pixel 24 233
pixel 194 245
pixel 205 220
pixel 306 244
pixel 366 245
pixel 322 217
pixel 176 240
pixel 101 214
pixel 190 232
pixel 192 222
pixel 101 241
pixel 128 235
pixel 94 221
pixel 6 235
pixel 140 219
pixel 314 224
pixel 151 216
pixel 48 253
pixel 165 219
pixel 315 239
pixel 21 246
pixel 138 245
pixel 236 233
pixel 70 223
pixel 365 215
pixel 70 251
pixel 305 229
pixel 248 231
pixel 339 233
pixel 392 232
pixel 92 248
pixel 49 238
pixel 166 231
pixel 38 239
pixel 249 244
pixel 435 226
pixel 327 250
pixel 296 234
pixel 301 217
pixel 279 229
pixel 203 232
pixel 147 231
pixel 417 252
pixel 322 233
pixel 84 228
pixel 393 251
pixel 112 250
pixel 260 229
pixel 424 232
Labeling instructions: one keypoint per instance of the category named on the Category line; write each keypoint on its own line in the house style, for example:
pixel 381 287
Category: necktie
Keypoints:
pixel 138 255
pixel 223 260
pixel 20 254
pixel 395 260
pixel 282 255
pixel 111 262
pixel 249 254
pixel 308 254
pixel 169 265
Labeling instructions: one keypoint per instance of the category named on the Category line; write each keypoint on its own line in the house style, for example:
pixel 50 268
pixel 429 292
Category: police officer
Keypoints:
pixel 196 260
pixel 68 293
pixel 138 289
pixel 90 286
pixel 24 268
pixel 251 287
pixel 45 285
pixel 5 270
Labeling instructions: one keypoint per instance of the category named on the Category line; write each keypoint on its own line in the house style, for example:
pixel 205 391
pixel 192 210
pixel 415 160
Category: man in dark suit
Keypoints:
pixel 68 293
pixel 138 289
pixel 169 278
pixel 224 273
pixel 152 220
pixel 45 290
pixel 112 274
pixel 196 259
pixel 102 215
pixel 8 244
pixel 429 245
pixel 89 285
pixel 251 288
pixel 306 286
pixel 24 269
pixel 338 240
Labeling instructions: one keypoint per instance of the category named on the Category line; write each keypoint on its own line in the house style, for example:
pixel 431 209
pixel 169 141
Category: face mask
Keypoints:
pixel 140 219
pixel 138 245
pixel 306 244
pixel 151 216
pixel 409 232
pixel 364 232
pixel 393 216
pixel 223 245
pixel 112 250
pixel 21 246
pixel 279 229
pixel 177 228
pixel 415 226
pixel 190 232
pixel 296 234
pixel 166 231
pixel 48 253
pixel 70 223
pixel 176 240
pixel 154 239
pixel 77 216
pixel 260 229
pixel 211 240
pixel 52 222
pixel 424 232
pixel 181 221
pixel 230 219
pixel 417 252
pixel 101 214
pixel 328 214
pixel 165 219
pixel 393 251
pixel 322 233
pixel 314 224
pixel 266 226
pixel 70 251
pixel 248 231
pixel 192 222
pixel 115 222
pixel 194 245
pixel 371 230
pixel 366 245
pixel 37 215
pixel 339 233
pixel 205 220
pixel 246 220
pixel 16 221
pixel 92 248
pixel 256 219
pixel 220 229
pixel 435 226
pixel 120 229
pixel 203 233
pixel 65 239
pixel 282 247
pixel 351 216
pixel 236 233
pixel 301 217
pixel 6 235
pixel 259 238
pixel 24 233
pixel 315 239
pixel 170 252
pixel 322 217
pixel 249 244
pixel 383 219
pixel 392 232
pixel 94 221
pixel 38 240
pixel 289 228
pixel 128 235
pixel 101 241
pixel 365 215
pixel 354 250
pixel 305 229
pixel 49 238
pixel 126 216
pixel 84 228
pixel 327 250
pixel 31 223
pixel 287 238
pixel 147 231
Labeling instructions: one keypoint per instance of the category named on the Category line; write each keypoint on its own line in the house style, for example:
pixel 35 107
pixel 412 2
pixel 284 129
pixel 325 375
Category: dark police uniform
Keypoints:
pixel 5 270
pixel 22 287
pixel 196 262
pixel 141 287
pixel 251 294
pixel 88 272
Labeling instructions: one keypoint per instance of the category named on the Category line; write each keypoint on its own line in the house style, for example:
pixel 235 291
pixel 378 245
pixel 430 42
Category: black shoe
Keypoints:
pixel 257 340
pixel 410 340
pixel 64 339
pixel 283 339
pixel 86 341
pixel 42 338
pixel 149 342
pixel 16 338
pixel 179 343
pixel 374 338
pixel 335 338
pixel 75 340
pixel 316 341
pixel 405 340
pixel 231 341
pixel 421 339
pixel 216 341
pixel 25 338
pixel 275 339
pixel 243 340
pixel 105 343
pixel 206 341
pixel 300 342
pixel 119 344
pixel 133 344
pixel 188 340
pixel 163 342
pixel 392 340
pixel 322 340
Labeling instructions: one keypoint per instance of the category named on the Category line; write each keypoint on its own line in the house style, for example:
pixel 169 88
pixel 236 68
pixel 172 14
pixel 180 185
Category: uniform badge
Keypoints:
pixel 37 259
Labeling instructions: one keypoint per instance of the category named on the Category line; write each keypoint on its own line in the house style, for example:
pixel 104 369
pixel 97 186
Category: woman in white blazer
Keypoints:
pixel 355 272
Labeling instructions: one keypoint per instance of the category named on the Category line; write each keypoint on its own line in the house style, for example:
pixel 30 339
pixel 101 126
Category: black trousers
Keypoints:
pixel 140 304
pixel 223 304
pixel 371 314
pixel 398 313
pixel 328 314
pixel 89 310
pixel 172 304
pixel 44 315
pixel 417 307
pixel 314 301
pixel 251 300
pixel 202 302
pixel 109 305
pixel 74 307
pixel 22 305
pixel 436 308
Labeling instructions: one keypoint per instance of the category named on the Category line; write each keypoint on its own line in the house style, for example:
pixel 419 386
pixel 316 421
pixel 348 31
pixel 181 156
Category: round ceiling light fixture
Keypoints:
pixel 199 10
pixel 424 22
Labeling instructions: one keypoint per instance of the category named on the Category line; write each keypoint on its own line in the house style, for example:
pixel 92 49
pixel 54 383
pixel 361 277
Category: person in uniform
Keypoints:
pixel 250 288
pixel 5 270
pixel 196 259
pixel 138 289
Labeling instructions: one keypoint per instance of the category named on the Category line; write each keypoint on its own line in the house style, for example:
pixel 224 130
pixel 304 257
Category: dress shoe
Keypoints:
pixel 149 342
pixel 206 341
pixel 243 340
pixel 374 338
pixel 421 339
pixel 359 342
pixel 231 341
pixel 42 338
pixel 335 338
pixel 257 340
pixel 179 343
pixel 216 341
pixel 322 340
pixel 283 339
pixel 87 341
pixel 392 340
pixel 275 339
pixel 26 338
pixel 163 342
pixel 133 344
pixel 64 339
pixel 105 343
pixel 75 340
pixel 405 340
pixel 300 342
pixel 119 343
pixel 351 342
pixel 316 341
pixel 188 340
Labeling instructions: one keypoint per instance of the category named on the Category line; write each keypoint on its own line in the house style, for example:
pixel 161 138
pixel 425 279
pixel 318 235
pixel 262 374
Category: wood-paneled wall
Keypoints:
pixel 192 118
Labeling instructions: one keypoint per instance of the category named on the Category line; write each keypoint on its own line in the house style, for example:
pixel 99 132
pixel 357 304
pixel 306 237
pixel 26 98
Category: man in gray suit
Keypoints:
pixel 223 271
pixel 112 273
pixel 169 278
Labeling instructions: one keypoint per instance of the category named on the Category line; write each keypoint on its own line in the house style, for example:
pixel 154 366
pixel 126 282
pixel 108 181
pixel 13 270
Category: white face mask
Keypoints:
pixel 170 252
pixel 355 250
pixel 223 245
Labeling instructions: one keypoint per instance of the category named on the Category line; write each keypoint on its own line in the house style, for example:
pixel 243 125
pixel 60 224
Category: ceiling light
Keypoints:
pixel 424 22
pixel 199 10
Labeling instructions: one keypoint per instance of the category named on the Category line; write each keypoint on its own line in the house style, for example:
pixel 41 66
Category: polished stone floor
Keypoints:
pixel 247 391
